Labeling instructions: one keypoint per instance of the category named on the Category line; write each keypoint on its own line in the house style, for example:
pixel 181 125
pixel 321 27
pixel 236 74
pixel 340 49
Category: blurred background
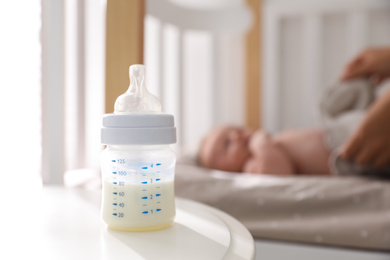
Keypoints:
pixel 261 63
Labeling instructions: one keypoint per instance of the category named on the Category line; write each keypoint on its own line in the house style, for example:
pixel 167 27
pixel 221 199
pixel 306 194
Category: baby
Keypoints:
pixel 342 108
pixel 235 149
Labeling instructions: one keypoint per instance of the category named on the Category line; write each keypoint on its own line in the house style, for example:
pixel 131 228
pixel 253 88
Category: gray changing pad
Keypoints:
pixel 337 211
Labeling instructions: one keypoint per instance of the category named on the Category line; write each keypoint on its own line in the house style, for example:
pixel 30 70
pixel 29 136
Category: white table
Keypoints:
pixel 58 223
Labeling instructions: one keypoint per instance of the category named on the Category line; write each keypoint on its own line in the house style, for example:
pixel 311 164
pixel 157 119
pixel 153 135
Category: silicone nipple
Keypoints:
pixel 137 99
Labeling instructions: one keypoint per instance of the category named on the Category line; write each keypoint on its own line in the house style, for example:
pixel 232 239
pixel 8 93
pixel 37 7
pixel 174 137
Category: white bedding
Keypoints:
pixel 338 211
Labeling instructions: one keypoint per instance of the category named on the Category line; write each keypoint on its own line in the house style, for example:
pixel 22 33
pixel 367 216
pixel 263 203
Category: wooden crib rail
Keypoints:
pixel 253 68
pixel 124 45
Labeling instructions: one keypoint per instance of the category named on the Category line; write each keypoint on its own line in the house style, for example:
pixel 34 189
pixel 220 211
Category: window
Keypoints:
pixel 20 89
pixel 51 89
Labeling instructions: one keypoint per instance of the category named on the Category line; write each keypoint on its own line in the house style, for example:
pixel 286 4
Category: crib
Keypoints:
pixel 305 45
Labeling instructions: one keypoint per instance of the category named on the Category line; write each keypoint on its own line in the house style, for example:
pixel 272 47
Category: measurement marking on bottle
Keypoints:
pixel 144 198
pixel 115 193
pixel 114 214
pixel 144 182
pixel 144 205
pixel 113 172
pixel 145 212
pixel 158 164
pixel 158 202
pixel 158 179
pixel 158 187
pixel 113 160
pixel 144 168
pixel 158 209
pixel 144 190
pixel 158 195
pixel 114 182
pixel 114 204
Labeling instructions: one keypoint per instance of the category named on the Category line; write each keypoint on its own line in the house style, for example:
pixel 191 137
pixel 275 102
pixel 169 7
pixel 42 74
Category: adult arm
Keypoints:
pixel 372 63
pixel 371 142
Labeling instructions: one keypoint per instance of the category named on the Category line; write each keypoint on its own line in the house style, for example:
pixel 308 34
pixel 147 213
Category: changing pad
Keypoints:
pixel 337 211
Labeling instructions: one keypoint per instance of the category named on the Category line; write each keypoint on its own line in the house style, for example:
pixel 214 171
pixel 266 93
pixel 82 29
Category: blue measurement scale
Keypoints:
pixel 145 178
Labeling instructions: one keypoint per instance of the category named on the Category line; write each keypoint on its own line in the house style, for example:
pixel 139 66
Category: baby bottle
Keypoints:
pixel 138 165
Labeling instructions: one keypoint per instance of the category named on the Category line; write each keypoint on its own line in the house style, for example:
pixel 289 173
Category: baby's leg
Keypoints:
pixel 307 150
pixel 267 157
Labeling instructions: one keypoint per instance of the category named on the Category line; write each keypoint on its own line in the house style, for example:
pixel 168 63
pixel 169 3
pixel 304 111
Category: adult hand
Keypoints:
pixel 373 63
pixel 370 145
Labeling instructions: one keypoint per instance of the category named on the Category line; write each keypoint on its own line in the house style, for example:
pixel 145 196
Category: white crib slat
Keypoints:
pixel 53 143
pixel 228 82
pixel 335 35
pixel 271 100
pixel 181 93
pixel 292 108
pixel 81 85
pixel 357 25
pixel 312 65
pixel 161 66
pixel 379 24
pixel 215 86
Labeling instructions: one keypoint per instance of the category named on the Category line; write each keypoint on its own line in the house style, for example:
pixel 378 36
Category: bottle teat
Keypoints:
pixel 137 99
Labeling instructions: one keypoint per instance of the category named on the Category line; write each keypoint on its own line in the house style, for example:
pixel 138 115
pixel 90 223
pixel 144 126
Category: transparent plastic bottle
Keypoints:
pixel 138 164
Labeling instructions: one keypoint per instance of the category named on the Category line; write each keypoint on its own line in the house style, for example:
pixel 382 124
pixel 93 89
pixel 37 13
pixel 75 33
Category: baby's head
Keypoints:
pixel 225 148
